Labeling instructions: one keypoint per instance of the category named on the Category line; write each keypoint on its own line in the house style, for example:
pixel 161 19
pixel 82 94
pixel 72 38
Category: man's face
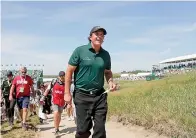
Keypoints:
pixel 97 37
pixel 62 78
pixel 23 72
pixel 10 77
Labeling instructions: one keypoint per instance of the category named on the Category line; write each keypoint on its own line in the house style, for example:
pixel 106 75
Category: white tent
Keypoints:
pixel 124 75
pixel 144 74
pixel 179 59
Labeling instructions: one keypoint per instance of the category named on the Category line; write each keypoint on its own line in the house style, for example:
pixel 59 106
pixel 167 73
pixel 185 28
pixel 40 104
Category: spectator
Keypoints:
pixel 24 85
pixel 9 105
pixel 58 101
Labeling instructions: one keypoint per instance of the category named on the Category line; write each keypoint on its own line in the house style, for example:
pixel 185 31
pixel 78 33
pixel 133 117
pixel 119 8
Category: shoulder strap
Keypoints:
pixel 54 81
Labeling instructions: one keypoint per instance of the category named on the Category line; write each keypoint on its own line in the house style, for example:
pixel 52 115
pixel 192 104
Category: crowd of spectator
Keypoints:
pixel 132 78
pixel 181 66
pixel 35 74
pixel 175 69
pixel 164 71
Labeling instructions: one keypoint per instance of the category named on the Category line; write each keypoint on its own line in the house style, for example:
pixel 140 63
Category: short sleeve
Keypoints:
pixel 75 58
pixel 30 81
pixel 108 62
pixel 14 81
pixel 2 85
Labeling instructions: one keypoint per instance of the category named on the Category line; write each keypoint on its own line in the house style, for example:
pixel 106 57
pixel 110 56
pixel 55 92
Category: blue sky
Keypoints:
pixel 140 34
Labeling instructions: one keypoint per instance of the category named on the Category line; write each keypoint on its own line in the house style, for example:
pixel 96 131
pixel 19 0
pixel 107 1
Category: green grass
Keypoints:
pixel 163 105
pixel 17 131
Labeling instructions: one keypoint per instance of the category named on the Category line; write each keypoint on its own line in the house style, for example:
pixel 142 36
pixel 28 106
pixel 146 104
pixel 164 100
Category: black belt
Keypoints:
pixel 97 92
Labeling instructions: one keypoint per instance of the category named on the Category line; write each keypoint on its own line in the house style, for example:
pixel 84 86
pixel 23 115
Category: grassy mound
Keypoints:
pixel 167 106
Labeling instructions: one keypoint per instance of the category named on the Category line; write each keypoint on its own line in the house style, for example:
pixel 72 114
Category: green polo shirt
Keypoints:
pixel 5 87
pixel 89 73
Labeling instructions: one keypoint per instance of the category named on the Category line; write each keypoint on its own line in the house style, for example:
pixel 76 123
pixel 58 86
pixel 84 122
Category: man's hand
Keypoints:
pixel 41 101
pixel 68 98
pixel 10 97
pixel 112 86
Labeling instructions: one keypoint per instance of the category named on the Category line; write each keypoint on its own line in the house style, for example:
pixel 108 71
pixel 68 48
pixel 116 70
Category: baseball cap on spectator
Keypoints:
pixel 9 73
pixel 96 28
pixel 61 73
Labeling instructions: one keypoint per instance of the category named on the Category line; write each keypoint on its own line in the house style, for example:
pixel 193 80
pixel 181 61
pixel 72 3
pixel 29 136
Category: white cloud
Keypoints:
pixel 16 10
pixel 173 29
pixel 164 36
pixel 83 12
pixel 166 51
pixel 16 42
pixel 13 11
pixel 134 60
pixel 140 41
pixel 19 49
pixel 22 48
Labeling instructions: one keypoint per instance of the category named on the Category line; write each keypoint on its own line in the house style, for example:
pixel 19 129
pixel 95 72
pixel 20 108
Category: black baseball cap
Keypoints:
pixel 96 28
pixel 9 73
pixel 61 73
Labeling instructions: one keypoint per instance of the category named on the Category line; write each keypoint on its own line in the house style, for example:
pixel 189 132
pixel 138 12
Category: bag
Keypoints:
pixel 41 114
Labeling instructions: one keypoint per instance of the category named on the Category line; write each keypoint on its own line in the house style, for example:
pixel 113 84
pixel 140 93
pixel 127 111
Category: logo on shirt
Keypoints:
pixel 86 58
pixel 21 82
pixel 59 92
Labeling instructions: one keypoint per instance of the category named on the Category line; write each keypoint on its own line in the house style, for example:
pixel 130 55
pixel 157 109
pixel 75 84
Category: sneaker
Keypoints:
pixel 11 126
pixel 41 120
pixel 57 132
pixel 69 119
pixel 24 126
pixel 72 118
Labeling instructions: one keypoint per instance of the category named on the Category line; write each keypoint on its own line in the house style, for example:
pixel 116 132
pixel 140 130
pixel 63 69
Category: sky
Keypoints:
pixel 140 34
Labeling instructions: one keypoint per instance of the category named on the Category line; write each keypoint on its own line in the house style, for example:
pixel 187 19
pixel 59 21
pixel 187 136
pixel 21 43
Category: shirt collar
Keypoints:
pixel 91 48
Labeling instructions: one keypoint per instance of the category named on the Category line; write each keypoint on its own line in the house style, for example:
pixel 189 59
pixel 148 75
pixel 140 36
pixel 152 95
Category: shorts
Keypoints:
pixel 23 102
pixel 58 108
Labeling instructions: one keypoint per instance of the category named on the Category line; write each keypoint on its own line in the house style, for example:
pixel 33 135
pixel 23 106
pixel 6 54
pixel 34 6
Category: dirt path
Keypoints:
pixel 114 130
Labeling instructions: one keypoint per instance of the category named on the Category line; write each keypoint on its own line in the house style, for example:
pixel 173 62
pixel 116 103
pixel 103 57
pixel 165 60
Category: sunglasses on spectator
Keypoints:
pixel 24 72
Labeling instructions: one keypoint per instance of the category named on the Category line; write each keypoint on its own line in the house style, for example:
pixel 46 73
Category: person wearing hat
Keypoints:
pixel 89 64
pixel 6 85
pixel 57 89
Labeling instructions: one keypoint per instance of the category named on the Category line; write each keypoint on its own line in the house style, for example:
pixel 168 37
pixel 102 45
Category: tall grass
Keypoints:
pixel 165 105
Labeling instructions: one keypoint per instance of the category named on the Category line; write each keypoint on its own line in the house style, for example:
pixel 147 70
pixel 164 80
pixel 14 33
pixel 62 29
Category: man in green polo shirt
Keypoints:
pixel 5 88
pixel 90 63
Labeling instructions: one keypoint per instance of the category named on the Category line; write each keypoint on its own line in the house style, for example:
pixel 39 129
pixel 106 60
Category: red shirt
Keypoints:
pixel 58 94
pixel 23 85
